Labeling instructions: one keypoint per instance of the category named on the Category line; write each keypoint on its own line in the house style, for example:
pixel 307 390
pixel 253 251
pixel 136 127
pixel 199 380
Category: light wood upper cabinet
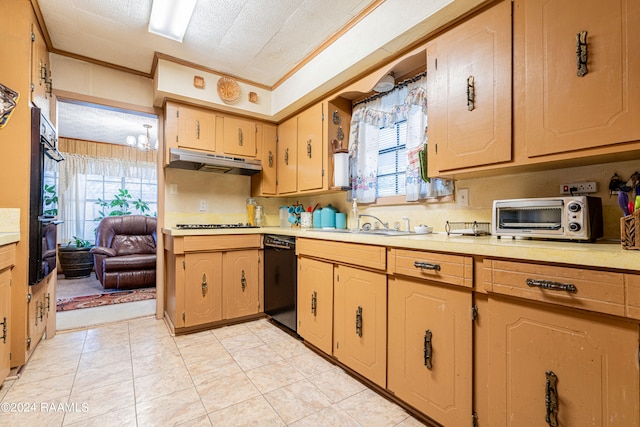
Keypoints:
pixel 190 127
pixel 469 93
pixel 264 183
pixel 430 348
pixel 239 137
pixel 41 78
pixel 315 302
pixel 310 149
pixel 585 365
pixel 287 158
pixel 241 288
pixel 203 288
pixel 360 321
pixel 562 111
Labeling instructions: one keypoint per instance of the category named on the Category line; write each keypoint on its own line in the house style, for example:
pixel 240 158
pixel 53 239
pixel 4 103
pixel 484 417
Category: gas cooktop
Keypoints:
pixel 213 226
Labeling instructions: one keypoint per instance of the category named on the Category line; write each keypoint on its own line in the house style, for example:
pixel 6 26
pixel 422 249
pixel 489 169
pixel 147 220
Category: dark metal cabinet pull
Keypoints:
pixel 270 158
pixel 582 53
pixel 243 281
pixel 286 157
pixel 240 142
pixel 314 302
pixel 471 93
pixel 309 148
pixel 553 286
pixel 4 330
pixel 197 129
pixel 427 350
pixel 205 287
pixel 426 266
pixel 359 321
pixel 48 297
pixel 551 399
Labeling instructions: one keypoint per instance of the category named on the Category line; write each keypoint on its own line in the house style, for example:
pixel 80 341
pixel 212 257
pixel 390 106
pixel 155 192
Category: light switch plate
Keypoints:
pixel 203 205
pixel 463 197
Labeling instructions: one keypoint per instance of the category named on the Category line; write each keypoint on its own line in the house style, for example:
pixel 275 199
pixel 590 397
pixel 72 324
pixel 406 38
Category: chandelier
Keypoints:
pixel 143 142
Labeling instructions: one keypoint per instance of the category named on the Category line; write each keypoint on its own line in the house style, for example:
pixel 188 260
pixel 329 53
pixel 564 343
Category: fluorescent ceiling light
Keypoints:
pixel 169 18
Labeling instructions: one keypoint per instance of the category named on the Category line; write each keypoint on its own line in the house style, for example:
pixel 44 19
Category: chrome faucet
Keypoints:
pixel 385 225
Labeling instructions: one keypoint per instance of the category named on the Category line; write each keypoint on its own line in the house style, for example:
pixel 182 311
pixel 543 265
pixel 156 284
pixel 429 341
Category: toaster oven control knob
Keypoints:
pixel 574 227
pixel 574 207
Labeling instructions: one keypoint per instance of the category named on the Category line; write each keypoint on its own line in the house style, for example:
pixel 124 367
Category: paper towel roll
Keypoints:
pixel 341 169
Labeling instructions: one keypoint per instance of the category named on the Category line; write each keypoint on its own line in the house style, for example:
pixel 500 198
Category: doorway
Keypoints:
pixel 110 170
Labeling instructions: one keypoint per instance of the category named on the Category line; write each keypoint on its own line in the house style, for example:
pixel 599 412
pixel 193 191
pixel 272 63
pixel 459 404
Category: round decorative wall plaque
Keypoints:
pixel 228 89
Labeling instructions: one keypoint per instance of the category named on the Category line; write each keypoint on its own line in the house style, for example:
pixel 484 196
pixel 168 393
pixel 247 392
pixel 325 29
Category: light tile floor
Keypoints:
pixel 135 373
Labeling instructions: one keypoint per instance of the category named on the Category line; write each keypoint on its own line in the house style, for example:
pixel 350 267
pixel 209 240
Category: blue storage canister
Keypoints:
pixel 328 217
pixel 317 218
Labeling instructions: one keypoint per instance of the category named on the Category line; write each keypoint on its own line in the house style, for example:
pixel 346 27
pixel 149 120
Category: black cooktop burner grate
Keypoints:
pixel 213 226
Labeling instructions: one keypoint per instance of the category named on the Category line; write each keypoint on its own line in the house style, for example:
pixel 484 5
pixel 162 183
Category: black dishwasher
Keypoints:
pixel 280 279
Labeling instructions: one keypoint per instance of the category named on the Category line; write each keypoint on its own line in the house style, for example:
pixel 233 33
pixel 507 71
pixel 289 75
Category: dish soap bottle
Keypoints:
pixel 353 221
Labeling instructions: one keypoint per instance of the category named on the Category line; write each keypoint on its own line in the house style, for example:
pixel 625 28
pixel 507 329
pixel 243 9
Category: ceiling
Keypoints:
pixel 256 40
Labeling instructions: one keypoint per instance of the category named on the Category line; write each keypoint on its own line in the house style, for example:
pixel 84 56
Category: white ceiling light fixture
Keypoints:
pixel 170 18
pixel 385 84
pixel 143 142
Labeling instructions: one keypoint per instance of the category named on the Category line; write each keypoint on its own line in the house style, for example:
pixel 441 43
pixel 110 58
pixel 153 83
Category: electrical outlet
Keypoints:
pixel 203 205
pixel 173 188
pixel 579 188
pixel 463 197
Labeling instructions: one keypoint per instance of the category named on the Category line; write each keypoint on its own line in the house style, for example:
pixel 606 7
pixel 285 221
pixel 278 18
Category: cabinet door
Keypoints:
pixel 5 318
pixel 41 79
pixel 268 177
pixel 287 156
pixel 310 149
pixel 563 111
pixel 196 128
pixel 586 364
pixel 360 322
pixel 241 290
pixel 239 137
pixel 202 288
pixel 469 92
pixel 430 348
pixel 315 302
pixel 37 308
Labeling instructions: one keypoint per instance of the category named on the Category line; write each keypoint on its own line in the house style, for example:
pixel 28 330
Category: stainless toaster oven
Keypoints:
pixel 563 218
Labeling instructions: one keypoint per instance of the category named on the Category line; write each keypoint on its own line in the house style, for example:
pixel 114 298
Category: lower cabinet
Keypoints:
pixel 203 304
pixel 7 260
pixel 211 279
pixel 556 366
pixel 430 348
pixel 315 303
pixel 360 321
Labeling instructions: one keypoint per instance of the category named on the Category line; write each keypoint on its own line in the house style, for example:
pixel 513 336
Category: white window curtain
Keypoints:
pixel 405 102
pixel 72 185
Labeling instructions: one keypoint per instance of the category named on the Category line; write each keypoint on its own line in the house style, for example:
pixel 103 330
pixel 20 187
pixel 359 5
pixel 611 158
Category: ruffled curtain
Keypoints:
pixel 72 191
pixel 407 102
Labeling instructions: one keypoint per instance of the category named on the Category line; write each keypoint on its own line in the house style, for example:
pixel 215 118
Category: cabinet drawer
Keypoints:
pixel 451 269
pixel 182 244
pixel 632 295
pixel 592 290
pixel 348 253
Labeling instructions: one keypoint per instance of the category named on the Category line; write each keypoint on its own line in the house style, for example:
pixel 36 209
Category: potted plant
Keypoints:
pixel 75 259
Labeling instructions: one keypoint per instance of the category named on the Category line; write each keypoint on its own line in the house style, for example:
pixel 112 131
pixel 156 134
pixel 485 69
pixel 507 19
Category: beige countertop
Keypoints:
pixel 599 254
pixel 7 238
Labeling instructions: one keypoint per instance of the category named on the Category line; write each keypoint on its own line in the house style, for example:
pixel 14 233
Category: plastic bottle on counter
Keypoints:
pixel 353 220
pixel 251 211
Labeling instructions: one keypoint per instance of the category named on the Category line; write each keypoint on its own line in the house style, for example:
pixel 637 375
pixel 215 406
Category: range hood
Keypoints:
pixel 196 160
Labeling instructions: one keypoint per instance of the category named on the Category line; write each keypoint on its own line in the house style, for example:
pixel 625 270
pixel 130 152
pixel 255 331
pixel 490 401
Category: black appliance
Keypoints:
pixel 42 228
pixel 280 279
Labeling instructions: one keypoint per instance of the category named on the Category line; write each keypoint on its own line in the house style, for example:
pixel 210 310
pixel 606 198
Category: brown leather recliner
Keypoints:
pixel 125 253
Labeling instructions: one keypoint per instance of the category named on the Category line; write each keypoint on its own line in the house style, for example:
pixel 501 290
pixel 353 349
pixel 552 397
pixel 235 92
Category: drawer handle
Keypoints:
pixel 471 93
pixel 426 266
pixel 4 330
pixel 197 129
pixel 205 287
pixel 243 281
pixel 314 302
pixel 554 286
pixel 359 321
pixel 551 399
pixel 240 142
pixel 270 159
pixel 582 53
pixel 427 348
